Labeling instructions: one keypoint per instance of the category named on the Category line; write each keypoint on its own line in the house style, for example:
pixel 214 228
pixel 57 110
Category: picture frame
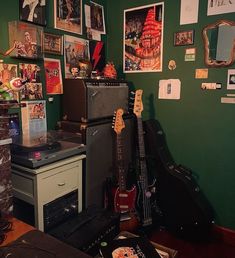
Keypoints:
pixel 97 17
pixel 75 49
pixel 184 38
pixel 53 75
pixel 143 30
pixel 68 15
pixel 220 7
pixel 52 43
pixel 33 11
pixel 26 39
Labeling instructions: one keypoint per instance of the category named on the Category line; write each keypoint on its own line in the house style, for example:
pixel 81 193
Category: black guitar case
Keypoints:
pixel 186 210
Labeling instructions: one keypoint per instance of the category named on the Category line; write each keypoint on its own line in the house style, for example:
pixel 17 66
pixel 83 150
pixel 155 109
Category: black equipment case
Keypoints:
pixel 186 210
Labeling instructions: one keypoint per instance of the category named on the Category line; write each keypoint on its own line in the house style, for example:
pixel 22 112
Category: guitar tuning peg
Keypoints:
pixel 132 92
pixel 132 98
pixel 131 104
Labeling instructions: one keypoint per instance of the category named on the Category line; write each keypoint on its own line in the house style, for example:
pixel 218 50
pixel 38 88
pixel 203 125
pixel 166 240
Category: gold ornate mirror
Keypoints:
pixel 219 43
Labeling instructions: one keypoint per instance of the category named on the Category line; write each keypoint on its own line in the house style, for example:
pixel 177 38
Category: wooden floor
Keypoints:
pixel 212 248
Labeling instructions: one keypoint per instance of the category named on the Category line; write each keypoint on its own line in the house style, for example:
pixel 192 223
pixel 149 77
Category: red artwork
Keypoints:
pixel 53 76
pixel 143 39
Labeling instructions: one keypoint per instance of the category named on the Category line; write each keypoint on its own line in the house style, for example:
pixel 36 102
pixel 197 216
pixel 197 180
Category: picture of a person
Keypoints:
pixel 69 5
pixel 5 75
pixel 33 11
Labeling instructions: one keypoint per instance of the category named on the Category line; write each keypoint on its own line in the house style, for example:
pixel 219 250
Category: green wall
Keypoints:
pixel 9 11
pixel 200 130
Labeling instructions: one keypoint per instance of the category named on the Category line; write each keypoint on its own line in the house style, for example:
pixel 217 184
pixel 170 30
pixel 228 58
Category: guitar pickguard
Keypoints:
pixel 124 201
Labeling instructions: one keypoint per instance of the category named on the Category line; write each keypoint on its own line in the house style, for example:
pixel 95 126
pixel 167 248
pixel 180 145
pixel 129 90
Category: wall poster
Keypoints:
pixel 143 39
pixel 215 7
pixel 74 49
pixel 68 15
pixel 54 83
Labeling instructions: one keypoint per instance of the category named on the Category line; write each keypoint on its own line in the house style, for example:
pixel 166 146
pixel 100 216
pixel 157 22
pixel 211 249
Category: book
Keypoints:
pixel 135 247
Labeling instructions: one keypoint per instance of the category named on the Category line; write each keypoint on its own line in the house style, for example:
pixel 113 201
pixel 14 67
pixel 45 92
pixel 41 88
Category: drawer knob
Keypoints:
pixel 61 184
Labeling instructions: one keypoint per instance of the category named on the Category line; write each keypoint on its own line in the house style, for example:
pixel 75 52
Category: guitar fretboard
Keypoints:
pixel 120 163
pixel 143 178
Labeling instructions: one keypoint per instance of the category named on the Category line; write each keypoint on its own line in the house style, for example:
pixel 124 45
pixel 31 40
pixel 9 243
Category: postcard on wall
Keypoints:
pixel 189 11
pixel 201 73
pixel 231 79
pixel 190 54
pixel 68 15
pixel 33 116
pixel 33 11
pixel 74 49
pixel 97 17
pixel 54 83
pixel 143 38
pixel 215 7
pixel 169 89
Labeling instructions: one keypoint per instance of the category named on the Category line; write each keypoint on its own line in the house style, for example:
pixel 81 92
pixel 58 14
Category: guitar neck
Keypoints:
pixel 147 217
pixel 120 163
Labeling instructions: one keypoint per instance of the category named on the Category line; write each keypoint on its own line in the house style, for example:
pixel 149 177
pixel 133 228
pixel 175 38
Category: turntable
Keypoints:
pixel 45 148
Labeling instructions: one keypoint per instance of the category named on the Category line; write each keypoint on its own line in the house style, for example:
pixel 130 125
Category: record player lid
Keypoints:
pixel 43 141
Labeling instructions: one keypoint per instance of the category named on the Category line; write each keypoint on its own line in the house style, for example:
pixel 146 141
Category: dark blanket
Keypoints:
pixel 38 244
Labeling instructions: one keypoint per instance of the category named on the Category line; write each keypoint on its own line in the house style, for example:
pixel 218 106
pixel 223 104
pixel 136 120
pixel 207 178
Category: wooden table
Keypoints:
pixel 19 228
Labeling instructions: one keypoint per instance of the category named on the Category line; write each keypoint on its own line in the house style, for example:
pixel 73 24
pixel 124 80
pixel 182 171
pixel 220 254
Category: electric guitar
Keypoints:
pixel 124 200
pixel 144 190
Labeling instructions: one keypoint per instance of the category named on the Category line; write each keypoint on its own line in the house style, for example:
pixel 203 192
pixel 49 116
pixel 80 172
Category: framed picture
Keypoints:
pixel 183 38
pixel 52 44
pixel 30 72
pixel 26 38
pixel 68 15
pixel 33 11
pixel 143 38
pixel 220 7
pixel 97 17
pixel 31 90
pixel 54 84
pixel 75 49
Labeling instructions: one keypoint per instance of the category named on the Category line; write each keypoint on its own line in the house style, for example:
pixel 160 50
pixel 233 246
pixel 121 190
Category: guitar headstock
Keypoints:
pixel 118 123
pixel 138 104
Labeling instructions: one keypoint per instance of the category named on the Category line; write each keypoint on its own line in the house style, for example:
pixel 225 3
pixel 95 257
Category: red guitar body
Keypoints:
pixel 124 201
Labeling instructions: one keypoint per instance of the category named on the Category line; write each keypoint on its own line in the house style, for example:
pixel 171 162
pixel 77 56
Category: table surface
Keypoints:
pixel 19 228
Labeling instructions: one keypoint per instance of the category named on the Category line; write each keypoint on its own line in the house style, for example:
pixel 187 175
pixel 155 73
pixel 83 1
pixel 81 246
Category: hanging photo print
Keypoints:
pixel 33 11
pixel 68 15
pixel 97 17
pixel 75 49
pixel 143 38
pixel 54 84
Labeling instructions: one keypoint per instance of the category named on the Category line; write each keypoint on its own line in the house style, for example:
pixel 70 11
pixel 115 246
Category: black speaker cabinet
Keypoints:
pixel 99 138
pixel 88 99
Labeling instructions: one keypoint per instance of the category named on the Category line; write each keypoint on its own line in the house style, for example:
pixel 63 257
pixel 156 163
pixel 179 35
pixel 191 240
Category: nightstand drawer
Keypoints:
pixel 59 183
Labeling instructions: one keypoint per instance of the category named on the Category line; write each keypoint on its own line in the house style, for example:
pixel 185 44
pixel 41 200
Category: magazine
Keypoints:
pixel 136 247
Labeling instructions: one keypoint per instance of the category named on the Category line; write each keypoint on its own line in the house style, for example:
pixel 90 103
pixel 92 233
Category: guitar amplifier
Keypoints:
pixel 89 99
pixel 88 229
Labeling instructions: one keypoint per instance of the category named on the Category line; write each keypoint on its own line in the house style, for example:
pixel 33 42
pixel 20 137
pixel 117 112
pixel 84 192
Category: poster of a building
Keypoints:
pixel 143 38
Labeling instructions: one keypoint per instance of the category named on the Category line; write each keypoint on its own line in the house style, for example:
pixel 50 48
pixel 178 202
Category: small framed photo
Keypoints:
pixel 184 38
pixel 33 11
pixel 52 43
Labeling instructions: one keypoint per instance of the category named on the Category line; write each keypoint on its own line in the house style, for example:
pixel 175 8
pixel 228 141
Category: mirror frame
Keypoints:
pixel 215 63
